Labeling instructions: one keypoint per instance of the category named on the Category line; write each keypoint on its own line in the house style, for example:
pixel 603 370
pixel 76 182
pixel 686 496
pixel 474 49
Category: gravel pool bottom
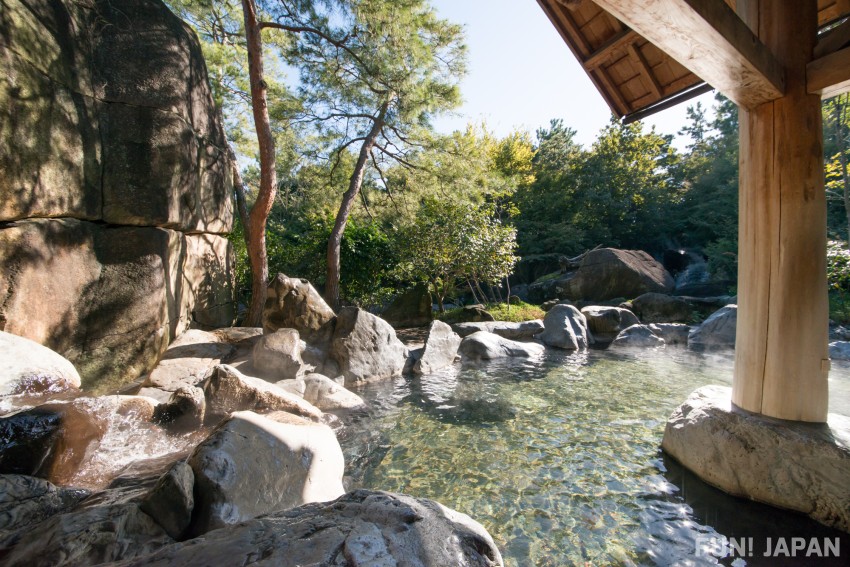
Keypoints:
pixel 559 457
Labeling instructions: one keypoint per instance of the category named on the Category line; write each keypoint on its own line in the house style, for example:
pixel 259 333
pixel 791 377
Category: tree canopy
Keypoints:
pixel 369 199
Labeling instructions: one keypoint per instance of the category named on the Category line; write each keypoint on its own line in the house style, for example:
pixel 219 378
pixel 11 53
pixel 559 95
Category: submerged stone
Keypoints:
pixel 486 346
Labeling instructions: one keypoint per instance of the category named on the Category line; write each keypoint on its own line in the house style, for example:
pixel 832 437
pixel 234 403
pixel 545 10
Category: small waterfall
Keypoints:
pixel 695 273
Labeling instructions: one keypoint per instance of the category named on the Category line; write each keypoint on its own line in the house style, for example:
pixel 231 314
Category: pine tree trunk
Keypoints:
pixel 256 227
pixel 348 198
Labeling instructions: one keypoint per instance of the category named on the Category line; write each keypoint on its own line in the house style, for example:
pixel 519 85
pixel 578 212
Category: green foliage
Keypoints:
pixel 449 242
pixel 626 185
pixel 723 258
pixel 612 194
pixel 355 57
pixel 219 25
pixel 838 266
pixel 838 279
pixel 544 223
pixel 836 129
pixel 708 214
pixel 839 307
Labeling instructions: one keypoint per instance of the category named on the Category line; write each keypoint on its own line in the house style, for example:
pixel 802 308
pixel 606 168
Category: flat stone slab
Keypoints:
pixel 794 465
pixel 522 331
pixel 188 360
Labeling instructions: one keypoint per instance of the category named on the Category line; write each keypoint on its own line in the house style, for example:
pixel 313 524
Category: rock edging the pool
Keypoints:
pixel 792 465
pixel 275 398
pixel 268 476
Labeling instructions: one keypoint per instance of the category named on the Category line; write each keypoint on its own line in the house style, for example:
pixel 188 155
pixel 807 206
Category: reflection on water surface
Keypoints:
pixel 559 457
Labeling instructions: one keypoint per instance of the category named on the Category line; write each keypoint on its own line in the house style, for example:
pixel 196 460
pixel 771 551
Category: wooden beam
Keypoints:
pixel 711 41
pixel 830 76
pixel 781 352
pixel 609 49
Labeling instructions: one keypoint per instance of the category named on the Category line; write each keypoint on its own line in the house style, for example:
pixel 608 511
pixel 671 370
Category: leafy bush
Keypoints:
pixel 723 258
pixel 368 258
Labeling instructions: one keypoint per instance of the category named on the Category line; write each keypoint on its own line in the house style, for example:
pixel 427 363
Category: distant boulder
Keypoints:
pixel 516 331
pixel 474 314
pixel 718 331
pixel 440 349
pixel 609 272
pixel 672 333
pixel 661 308
pixel 294 303
pixel 839 350
pixel 604 274
pixel 605 323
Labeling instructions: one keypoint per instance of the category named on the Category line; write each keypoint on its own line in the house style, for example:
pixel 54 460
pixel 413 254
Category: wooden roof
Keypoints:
pixel 635 77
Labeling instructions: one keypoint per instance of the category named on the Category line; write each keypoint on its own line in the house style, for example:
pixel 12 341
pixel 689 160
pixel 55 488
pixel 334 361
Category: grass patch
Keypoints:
pixel 549 277
pixel 517 313
pixel 500 311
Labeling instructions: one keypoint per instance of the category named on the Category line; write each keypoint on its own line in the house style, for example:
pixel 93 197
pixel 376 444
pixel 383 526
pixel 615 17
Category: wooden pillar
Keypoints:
pixel 781 361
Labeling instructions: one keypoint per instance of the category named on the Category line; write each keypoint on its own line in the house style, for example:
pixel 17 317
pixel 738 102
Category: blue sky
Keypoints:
pixel 522 74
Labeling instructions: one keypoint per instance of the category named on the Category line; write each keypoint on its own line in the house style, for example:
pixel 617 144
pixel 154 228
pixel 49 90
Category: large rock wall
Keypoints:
pixel 115 188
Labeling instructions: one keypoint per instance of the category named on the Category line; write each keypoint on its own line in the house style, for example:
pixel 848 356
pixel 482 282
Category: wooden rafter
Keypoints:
pixel 576 34
pixel 619 104
pixel 645 70
pixel 831 10
pixel 710 40
pixel 571 34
